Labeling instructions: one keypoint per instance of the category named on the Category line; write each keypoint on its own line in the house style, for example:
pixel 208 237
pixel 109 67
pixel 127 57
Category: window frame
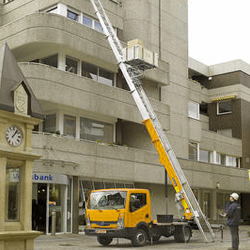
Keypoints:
pixel 226 112
pixel 191 143
pixel 195 114
pixel 74 12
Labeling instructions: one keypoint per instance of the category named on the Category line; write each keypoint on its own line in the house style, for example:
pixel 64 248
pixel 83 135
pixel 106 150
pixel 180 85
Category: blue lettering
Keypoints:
pixel 36 177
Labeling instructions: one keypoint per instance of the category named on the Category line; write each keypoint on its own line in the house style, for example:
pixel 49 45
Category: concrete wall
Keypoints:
pixel 245 118
pixel 226 121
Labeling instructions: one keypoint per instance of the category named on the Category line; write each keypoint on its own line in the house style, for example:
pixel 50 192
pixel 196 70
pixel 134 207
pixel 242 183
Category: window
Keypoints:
pixel 193 110
pixel 231 161
pixel 71 65
pixel 49 124
pixel 69 125
pixel 96 131
pixel 89 70
pixel 51 61
pixel 72 15
pixel 98 26
pixel 204 155
pixel 224 107
pixel 12 193
pixel 105 77
pixel 137 201
pixel 87 21
pixel 207 204
pixel 193 151
pixel 97 74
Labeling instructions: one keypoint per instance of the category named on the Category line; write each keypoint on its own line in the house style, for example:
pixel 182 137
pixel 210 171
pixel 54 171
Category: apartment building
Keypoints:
pixel 92 136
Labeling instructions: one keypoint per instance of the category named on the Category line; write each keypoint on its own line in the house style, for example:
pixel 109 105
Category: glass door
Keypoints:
pixel 56 204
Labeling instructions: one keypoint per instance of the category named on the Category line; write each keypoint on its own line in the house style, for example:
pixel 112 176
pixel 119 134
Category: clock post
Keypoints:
pixel 19 113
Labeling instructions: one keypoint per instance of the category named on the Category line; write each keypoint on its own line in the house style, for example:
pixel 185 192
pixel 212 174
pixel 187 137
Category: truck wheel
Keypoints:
pixel 139 238
pixel 103 240
pixel 182 234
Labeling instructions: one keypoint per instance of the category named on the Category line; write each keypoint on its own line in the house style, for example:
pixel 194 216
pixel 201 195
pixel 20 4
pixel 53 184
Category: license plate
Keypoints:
pixel 99 231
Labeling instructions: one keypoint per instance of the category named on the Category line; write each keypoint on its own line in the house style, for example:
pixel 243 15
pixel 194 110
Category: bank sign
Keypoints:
pixel 42 178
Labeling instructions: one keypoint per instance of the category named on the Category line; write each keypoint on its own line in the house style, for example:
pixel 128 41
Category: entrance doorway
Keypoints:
pixel 49 197
pixel 39 203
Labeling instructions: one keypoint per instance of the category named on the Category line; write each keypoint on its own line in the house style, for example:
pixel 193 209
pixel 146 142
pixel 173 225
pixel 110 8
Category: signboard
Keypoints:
pixel 42 178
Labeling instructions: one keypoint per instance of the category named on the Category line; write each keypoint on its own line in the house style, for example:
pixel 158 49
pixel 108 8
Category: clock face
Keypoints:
pixel 14 136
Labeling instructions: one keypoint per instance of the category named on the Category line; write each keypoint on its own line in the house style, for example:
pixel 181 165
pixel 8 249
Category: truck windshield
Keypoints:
pixel 107 200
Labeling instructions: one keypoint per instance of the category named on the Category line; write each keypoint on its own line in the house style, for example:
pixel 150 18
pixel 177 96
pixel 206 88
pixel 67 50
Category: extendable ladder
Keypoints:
pixel 184 193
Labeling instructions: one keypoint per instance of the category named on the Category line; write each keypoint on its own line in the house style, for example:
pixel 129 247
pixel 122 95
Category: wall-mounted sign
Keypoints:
pixel 42 178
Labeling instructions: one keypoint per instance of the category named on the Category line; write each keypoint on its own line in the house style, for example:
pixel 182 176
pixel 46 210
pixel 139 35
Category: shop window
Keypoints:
pixel 224 107
pixel 12 193
pixel 204 156
pixel 72 15
pixel 89 70
pixel 206 204
pixel 69 125
pixel 51 61
pixel 119 185
pixel 193 110
pixel 193 151
pixel 49 124
pixel 96 131
pixel 71 65
pixel 98 185
pixel 105 77
pixel 109 184
pixel 129 185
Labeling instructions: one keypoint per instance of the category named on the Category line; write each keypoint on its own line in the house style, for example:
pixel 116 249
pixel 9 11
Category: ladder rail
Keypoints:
pixel 131 76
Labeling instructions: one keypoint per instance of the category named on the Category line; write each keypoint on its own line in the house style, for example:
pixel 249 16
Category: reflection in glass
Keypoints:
pixel 12 193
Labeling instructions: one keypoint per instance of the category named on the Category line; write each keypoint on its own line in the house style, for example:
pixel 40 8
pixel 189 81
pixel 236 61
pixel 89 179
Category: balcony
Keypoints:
pixel 96 160
pixel 56 87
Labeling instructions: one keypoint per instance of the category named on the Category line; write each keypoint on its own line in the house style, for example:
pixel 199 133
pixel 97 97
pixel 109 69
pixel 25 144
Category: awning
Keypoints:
pixel 221 98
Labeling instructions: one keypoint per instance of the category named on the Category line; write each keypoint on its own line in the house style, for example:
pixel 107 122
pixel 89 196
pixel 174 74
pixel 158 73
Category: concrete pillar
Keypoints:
pixel 26 193
pixel 213 206
pixel 75 212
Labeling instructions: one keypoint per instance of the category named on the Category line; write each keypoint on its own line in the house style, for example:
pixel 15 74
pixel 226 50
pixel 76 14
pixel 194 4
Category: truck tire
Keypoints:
pixel 139 238
pixel 103 240
pixel 182 234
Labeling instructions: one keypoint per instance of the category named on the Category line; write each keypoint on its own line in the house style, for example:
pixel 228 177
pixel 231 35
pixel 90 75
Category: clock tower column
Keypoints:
pixel 19 113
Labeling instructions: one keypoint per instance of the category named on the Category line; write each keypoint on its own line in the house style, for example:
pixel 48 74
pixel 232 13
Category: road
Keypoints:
pixel 83 242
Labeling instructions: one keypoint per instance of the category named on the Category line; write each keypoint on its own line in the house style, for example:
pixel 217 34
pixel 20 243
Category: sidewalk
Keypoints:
pixel 83 242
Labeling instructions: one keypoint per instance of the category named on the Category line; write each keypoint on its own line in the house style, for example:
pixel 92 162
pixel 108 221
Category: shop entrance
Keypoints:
pixel 48 198
pixel 39 203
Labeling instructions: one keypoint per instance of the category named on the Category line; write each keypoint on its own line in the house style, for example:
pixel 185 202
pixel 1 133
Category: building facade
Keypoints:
pixel 92 136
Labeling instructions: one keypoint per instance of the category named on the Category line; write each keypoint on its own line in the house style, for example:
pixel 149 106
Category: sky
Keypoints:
pixel 219 30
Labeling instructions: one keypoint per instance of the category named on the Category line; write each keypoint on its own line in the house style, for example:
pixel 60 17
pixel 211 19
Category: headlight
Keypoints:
pixel 88 221
pixel 120 222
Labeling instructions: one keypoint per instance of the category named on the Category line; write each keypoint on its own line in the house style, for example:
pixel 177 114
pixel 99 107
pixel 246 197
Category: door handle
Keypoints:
pixel 146 215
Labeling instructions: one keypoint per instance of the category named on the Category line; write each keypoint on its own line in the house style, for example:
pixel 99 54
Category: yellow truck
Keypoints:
pixel 126 213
